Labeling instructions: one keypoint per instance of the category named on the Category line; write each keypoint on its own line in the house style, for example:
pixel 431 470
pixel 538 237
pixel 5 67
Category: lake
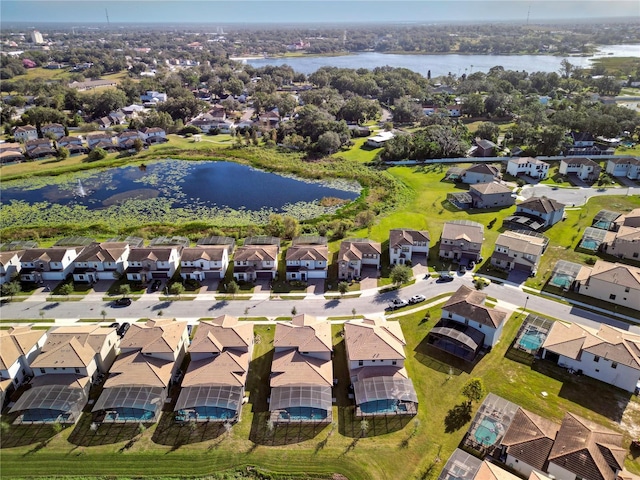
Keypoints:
pixel 169 190
pixel 443 64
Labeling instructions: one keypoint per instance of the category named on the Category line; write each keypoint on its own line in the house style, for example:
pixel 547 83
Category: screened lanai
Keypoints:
pixel 490 423
pixel 460 466
pixel 130 404
pixel 457 339
pixel 385 395
pixel 208 403
pixel 301 404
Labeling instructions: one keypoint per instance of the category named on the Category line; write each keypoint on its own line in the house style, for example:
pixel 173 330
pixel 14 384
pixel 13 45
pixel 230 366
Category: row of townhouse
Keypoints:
pixel 66 361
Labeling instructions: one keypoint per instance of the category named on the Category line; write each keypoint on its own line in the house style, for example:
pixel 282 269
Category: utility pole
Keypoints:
pixel 528 13
pixel 106 13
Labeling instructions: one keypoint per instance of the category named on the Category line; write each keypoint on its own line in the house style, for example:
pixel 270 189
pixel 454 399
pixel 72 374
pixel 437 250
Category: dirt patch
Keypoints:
pixel 631 419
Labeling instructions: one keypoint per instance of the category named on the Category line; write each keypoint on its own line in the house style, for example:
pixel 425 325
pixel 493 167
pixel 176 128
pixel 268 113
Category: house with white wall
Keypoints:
pixel 531 167
pixel 480 173
pixel 356 254
pixel 204 262
pixel 9 265
pixel 405 243
pixel 55 129
pixel 518 250
pixel 40 264
pixel 624 243
pixel 24 133
pixel 307 258
pixel 547 210
pixel 151 135
pixel 19 346
pixel 101 261
pixel 612 282
pixel 461 241
pixel 146 263
pixel 624 167
pixel 584 168
pixel 256 259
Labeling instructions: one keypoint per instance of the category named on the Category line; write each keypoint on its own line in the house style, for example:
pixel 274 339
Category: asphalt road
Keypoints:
pixel 573 196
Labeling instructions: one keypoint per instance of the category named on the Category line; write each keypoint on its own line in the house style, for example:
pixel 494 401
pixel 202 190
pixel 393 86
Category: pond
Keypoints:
pixel 170 191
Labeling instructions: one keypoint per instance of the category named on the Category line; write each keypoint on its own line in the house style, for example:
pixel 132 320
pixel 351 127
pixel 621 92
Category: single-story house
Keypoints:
pixel 378 140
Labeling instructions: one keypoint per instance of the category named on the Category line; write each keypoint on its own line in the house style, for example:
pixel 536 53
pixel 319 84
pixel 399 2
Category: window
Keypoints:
pixel 360 363
pixel 635 254
pixel 596 359
pixel 614 365
pixel 626 290
pixel 42 370
pixel 77 370
pixel 612 297
pixel 394 362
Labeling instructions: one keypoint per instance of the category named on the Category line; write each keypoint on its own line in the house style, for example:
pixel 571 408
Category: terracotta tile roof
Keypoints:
pixel 71 354
pixel 15 342
pixel 489 188
pixel 541 205
pixel 224 332
pixel 356 249
pixel 469 304
pixel 616 273
pixel 399 237
pixel 228 368
pixel 370 339
pixel 308 252
pixel 305 333
pixel 256 253
pixel 156 336
pixel 291 368
pixel 92 336
pixel 587 449
pixel 135 368
pixel 530 438
pixel 204 252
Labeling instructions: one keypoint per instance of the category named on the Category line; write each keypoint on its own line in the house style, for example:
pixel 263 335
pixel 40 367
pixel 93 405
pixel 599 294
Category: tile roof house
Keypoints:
pixel 19 346
pixel 205 261
pixel 624 167
pixel 302 371
pixel 547 210
pixel 93 139
pixel 146 263
pixel 467 324
pixel 375 356
pixel 55 129
pixel 55 263
pixel 355 255
pixel 528 442
pixel 531 167
pixel 151 135
pixel 625 243
pixel 480 173
pixel 631 219
pixel 307 258
pixel 127 138
pixel 27 132
pixel 139 379
pixel 405 243
pixel 9 265
pixel 11 152
pixel 256 259
pixel 101 261
pixel 584 168
pixel 607 354
pixel 491 195
pixel 39 148
pixel 518 251
pixel 484 148
pixel 213 386
pixel 73 144
pixel 586 450
pixel 461 241
pixel 463 466
pixel 612 282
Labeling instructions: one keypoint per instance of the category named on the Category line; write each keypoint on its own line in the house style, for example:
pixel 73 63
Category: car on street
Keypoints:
pixel 155 286
pixel 481 282
pixel 417 299
pixel 121 302
pixel 397 303
pixel 446 277
pixel 123 329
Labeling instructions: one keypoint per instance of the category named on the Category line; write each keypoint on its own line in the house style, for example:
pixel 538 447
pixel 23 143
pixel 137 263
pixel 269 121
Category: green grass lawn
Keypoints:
pixel 359 151
pixel 392 449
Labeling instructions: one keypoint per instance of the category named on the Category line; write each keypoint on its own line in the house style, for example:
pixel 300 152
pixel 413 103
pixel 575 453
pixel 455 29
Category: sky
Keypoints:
pixel 308 11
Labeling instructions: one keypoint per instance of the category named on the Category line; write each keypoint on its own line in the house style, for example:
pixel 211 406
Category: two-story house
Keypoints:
pixel 301 371
pixel 467 324
pixel 10 265
pixel 55 263
pixel 256 259
pixel 213 387
pixel 55 129
pixel 405 246
pixel 357 254
pixel 625 243
pixel 139 380
pixel 39 148
pixel 19 346
pixel 152 98
pixel 11 152
pixel 518 250
pixel 528 166
pixel 584 168
pixel 491 195
pixel 545 211
pixel 151 135
pixel 375 356
pixel 73 144
pixel 100 140
pixel 480 173
pixel 608 354
pixel 461 241
pixel 147 263
pixel 25 133
pixel 126 139
pixel 624 167
pixel 307 258
pixel 612 282
pixel 205 261
pixel 101 261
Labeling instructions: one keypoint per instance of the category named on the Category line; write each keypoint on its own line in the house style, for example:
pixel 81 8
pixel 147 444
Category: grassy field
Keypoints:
pixel 391 449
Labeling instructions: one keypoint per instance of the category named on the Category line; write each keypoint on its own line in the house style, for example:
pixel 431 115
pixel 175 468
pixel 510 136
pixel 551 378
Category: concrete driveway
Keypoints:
pixel 315 286
pixel 369 278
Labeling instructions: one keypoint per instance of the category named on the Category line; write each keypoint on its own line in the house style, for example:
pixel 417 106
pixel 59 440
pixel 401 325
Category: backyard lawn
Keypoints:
pixel 390 448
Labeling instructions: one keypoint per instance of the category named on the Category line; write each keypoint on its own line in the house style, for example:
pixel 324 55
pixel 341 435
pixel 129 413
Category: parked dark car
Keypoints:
pixel 155 286
pixel 445 277
pixel 123 329
pixel 121 302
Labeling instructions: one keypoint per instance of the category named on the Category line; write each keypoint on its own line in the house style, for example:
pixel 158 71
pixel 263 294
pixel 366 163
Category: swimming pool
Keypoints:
pixel 589 244
pixel 205 413
pixel 129 415
pixel 532 339
pixel 383 406
pixel 487 432
pixel 562 281
pixel 43 415
pixel 303 414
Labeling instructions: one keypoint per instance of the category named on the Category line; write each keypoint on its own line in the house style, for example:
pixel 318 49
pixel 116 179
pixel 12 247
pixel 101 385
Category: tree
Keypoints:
pixel 473 105
pixel 124 290
pixel 329 142
pixel 138 145
pixel 343 287
pixel 63 153
pixel 10 289
pixel 97 154
pixel 66 289
pixel 177 289
pixel 275 227
pixel 364 427
pixel 401 274
pixel 405 110
pixel 488 131
pixel 474 390
pixel 291 227
pixel 104 314
pixel 358 109
pixel 107 102
pixel 233 287
pixel 365 219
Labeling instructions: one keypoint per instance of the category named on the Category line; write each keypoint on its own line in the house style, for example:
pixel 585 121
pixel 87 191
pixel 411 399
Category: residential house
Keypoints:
pixel 307 258
pixel 519 250
pixel 528 166
pixel 624 167
pixel 454 110
pixel 94 139
pixel 19 346
pixel 480 173
pixel 39 148
pixel 92 84
pixel 256 259
pixel 484 148
pixel 146 263
pixel 132 111
pixel 10 265
pixel 151 135
pixel 375 356
pixel 117 118
pixel 491 195
pixel 151 98
pixel 126 139
pixel 25 133
pixel 585 450
pixel 355 255
pixel 582 139
pixel 544 210
pixel 612 282
pixel 467 324
pixel 139 380
pixel 205 262
pixel 205 122
pixel 461 241
pixel 464 466
pixel 213 387
pixel 55 263
pixel 584 168
pixel 404 244
pixel 528 441
pixel 270 119
pixel 301 371
pixel 631 219
pixel 11 152
pixel 101 261
pixel 73 144
pixel 378 140
pixel 104 123
pixel 608 354
pixel 625 243
pixel 55 129
pixel 429 110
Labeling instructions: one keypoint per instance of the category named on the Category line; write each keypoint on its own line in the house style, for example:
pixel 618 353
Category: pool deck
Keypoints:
pixel 412 410
pixel 276 418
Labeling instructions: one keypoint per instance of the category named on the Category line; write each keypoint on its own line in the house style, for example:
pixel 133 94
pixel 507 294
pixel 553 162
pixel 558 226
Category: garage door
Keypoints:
pixel 264 275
